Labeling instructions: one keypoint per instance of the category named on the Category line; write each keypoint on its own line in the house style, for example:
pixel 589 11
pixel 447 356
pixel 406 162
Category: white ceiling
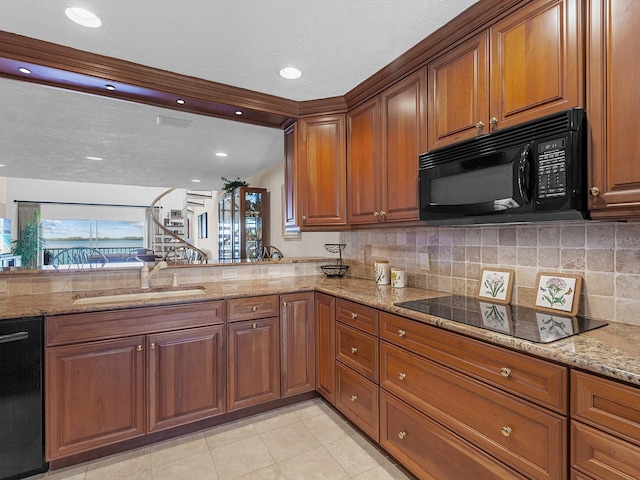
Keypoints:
pixel 46 133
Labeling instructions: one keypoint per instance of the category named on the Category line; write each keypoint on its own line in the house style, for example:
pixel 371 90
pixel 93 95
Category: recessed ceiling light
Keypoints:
pixel 96 159
pixel 195 180
pixel 110 87
pixel 180 101
pixel 83 17
pixel 24 70
pixel 238 112
pixel 221 154
pixel 1 165
pixel 290 73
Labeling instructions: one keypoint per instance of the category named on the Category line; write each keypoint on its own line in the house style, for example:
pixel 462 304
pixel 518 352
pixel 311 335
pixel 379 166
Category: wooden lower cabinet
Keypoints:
pixel 575 475
pixel 297 362
pixel 357 398
pixel 325 317
pixel 185 376
pixel 429 450
pixel 95 395
pixel 253 362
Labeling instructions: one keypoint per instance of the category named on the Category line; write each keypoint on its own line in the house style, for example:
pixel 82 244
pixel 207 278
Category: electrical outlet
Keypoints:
pixel 424 261
pixel 228 274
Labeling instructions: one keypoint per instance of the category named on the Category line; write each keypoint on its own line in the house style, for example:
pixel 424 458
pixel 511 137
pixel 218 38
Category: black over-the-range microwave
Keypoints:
pixel 531 172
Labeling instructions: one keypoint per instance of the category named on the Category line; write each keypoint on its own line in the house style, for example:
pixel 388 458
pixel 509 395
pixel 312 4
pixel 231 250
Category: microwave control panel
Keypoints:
pixel 552 169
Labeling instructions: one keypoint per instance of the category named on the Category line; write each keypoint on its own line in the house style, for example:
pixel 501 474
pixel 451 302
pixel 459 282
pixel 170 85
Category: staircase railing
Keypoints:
pixel 182 251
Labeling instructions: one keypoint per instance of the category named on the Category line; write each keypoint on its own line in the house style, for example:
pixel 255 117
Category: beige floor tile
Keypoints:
pixel 240 458
pixel 327 429
pixel 355 454
pixel 272 420
pixel 271 472
pixel 196 467
pixel 142 475
pixel 387 471
pixel 308 409
pixel 289 441
pixel 178 448
pixel 117 466
pixel 76 472
pixel 230 433
pixel 316 464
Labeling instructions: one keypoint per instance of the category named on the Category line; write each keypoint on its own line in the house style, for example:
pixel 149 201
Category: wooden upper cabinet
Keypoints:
pixel 384 138
pixel 527 65
pixel 320 172
pixel 613 62
pixel 536 62
pixel 458 93
pixel 290 185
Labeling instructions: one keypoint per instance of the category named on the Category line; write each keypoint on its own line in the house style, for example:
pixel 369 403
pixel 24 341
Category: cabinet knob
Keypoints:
pixel 284 304
pixel 254 325
pixel 480 127
pixel 401 333
pixel 354 398
pixel 505 372
pixel 506 431
pixel 594 191
pixel 354 315
pixel 354 350
pixel 493 122
pixel 304 217
pixel 382 213
pixel 376 214
pixel 254 309
pixel 138 348
pixel 152 346
pixel 401 435
pixel 402 376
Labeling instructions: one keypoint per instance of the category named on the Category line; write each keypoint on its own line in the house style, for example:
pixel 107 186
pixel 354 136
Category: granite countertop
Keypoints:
pixel 611 350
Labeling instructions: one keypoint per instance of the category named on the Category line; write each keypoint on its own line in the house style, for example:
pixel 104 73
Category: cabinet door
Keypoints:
pixel 297 342
pixel 613 62
pixel 94 395
pixel 459 93
pixel 290 187
pixel 363 163
pixel 253 359
pixel 186 376
pixel 325 315
pixel 321 180
pixel 403 139
pixel 536 62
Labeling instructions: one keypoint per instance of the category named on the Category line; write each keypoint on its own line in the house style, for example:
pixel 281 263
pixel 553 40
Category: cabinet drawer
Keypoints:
pixel 523 435
pixel 541 382
pixel 358 316
pixel 357 398
pixel 405 433
pixel 576 475
pixel 603 456
pixel 357 350
pixel 81 327
pixel 251 308
pixel 609 405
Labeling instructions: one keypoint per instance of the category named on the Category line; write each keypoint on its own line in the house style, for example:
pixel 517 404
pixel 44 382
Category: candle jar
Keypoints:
pixel 398 277
pixel 382 272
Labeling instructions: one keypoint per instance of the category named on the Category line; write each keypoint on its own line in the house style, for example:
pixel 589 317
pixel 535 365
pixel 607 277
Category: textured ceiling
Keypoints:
pixel 337 45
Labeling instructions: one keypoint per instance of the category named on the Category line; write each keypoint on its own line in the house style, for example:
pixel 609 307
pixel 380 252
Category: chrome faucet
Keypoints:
pixel 145 274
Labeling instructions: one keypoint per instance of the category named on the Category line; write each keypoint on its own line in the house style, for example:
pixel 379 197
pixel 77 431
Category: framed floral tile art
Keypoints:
pixel 558 291
pixel 496 284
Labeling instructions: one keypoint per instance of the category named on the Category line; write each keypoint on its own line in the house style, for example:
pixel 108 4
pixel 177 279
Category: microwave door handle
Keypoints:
pixel 525 174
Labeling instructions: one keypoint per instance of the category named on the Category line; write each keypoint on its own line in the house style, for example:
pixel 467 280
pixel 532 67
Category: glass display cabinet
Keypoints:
pixel 242 223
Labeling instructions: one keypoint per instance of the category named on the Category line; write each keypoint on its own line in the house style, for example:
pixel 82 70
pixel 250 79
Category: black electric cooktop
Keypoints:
pixel 520 322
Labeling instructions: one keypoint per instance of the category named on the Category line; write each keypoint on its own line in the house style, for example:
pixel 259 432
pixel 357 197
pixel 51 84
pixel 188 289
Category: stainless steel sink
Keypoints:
pixel 139 294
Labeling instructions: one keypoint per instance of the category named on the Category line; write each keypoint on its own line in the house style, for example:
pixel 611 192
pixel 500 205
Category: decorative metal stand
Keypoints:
pixel 335 270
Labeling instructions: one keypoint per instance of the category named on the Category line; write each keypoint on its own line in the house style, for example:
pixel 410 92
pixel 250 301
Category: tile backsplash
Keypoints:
pixel 606 255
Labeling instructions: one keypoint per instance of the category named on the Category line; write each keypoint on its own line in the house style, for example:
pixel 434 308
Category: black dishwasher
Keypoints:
pixel 21 398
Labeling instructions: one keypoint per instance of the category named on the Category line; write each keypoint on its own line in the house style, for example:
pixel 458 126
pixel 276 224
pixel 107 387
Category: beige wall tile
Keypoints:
pixel 628 286
pixel 600 236
pixel 549 236
pixel 599 283
pixel 527 256
pixel 626 311
pixel 572 236
pixel 627 261
pixel 549 257
pixel 600 260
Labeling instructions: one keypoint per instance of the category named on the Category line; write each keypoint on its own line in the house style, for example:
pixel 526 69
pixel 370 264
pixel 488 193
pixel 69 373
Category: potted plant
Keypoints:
pixel 30 243
pixel 229 186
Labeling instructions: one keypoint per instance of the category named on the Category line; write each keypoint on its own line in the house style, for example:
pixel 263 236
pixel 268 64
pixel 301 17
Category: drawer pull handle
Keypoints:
pixel 354 398
pixel 284 304
pixel 506 431
pixel 152 346
pixel 402 376
pixel 354 315
pixel 354 350
pixel 254 326
pixel 254 309
pixel 401 333
pixel 505 372
pixel 138 348
pixel 401 435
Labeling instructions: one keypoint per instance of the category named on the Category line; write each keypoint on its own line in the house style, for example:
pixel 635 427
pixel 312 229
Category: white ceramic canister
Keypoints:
pixel 398 277
pixel 382 272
